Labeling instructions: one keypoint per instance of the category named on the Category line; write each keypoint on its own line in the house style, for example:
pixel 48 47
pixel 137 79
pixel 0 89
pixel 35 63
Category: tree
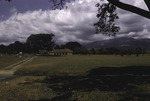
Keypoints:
pixel 37 42
pixel 17 47
pixel 76 47
pixel 2 48
pixel 107 16
pixel 73 45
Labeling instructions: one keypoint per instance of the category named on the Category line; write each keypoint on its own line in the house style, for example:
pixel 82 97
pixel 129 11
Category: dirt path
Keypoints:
pixel 9 70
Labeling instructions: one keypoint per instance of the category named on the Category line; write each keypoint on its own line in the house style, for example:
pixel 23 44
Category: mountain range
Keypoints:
pixel 120 43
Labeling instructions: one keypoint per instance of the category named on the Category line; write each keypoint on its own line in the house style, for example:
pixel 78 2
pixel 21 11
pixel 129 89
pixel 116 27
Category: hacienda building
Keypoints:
pixel 59 52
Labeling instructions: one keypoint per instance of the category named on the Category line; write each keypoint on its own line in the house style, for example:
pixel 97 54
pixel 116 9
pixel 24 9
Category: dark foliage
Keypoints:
pixel 34 44
pixel 107 16
pixel 76 47
pixel 16 47
pixel 38 42
pixel 73 45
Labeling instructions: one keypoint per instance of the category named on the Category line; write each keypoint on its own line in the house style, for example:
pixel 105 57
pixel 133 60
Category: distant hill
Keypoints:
pixel 121 43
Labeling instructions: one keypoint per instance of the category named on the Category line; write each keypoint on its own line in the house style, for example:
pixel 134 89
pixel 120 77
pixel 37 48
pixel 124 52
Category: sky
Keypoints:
pixel 21 18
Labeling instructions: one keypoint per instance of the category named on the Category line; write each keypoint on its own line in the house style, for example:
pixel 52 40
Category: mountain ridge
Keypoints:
pixel 120 43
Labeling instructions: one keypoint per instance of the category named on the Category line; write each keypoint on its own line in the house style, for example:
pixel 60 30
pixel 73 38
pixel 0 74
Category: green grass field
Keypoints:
pixel 79 63
pixel 6 60
pixel 79 78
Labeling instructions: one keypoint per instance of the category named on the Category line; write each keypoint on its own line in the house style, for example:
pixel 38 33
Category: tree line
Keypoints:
pixel 33 44
pixel 36 43
pixel 39 42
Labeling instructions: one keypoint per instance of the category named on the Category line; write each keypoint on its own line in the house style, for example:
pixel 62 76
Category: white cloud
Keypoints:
pixel 67 24
pixel 72 24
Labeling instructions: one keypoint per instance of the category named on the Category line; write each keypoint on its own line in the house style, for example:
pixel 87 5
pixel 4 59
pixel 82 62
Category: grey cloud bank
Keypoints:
pixel 72 24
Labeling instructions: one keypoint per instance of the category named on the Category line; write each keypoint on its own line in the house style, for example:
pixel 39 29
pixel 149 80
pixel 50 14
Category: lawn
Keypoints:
pixel 78 64
pixel 6 60
pixel 80 78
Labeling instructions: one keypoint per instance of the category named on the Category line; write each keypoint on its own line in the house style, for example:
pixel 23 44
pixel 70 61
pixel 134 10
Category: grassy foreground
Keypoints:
pixel 6 60
pixel 80 78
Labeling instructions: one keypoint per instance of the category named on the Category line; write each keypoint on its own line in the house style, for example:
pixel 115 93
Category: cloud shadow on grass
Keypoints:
pixel 109 79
